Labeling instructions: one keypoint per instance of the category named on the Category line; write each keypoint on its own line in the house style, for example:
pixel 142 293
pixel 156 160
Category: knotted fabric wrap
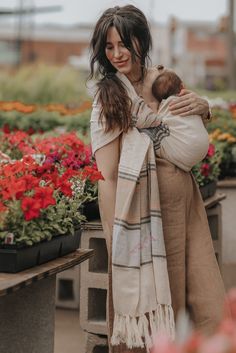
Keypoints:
pixel 188 141
pixel 141 292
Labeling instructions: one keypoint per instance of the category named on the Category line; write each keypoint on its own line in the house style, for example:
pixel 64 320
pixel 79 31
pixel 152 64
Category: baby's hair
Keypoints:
pixel 166 85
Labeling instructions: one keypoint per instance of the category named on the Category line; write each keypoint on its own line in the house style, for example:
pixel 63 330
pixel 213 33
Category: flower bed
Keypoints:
pixel 40 118
pixel 41 194
pixel 223 134
pixel 64 149
pixel 207 171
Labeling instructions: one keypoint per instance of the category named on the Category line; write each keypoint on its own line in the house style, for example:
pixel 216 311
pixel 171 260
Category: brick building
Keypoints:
pixel 48 44
pixel 197 50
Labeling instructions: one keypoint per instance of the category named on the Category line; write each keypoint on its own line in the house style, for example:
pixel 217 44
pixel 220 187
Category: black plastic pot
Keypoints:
pixel 208 190
pixel 17 258
pixel 91 210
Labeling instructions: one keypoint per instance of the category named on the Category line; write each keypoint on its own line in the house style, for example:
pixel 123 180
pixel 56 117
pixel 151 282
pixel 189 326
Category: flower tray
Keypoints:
pixel 15 258
pixel 208 190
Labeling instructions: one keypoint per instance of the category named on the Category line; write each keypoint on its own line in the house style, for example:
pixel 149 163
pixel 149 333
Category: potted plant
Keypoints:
pixel 40 201
pixel 207 171
pixel 223 133
pixel 226 144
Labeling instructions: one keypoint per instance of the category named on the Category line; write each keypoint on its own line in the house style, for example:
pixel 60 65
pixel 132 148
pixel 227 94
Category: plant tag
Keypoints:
pixel 9 238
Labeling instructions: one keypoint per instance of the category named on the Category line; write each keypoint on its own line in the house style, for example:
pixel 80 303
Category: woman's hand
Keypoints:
pixel 189 103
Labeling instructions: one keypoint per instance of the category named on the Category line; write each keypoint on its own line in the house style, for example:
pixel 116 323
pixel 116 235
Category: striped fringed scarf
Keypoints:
pixel 140 282
pixel 141 292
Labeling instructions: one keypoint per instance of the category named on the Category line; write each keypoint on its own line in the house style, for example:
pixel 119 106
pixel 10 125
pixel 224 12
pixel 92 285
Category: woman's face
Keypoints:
pixel 118 55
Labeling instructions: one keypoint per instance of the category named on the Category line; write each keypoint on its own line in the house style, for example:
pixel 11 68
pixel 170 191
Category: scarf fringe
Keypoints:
pixel 134 331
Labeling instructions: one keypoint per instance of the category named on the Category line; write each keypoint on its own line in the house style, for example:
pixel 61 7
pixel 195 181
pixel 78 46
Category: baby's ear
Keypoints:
pixel 182 85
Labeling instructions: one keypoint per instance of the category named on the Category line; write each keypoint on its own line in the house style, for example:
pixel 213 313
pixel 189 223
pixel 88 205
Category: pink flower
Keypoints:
pixel 193 343
pixel 230 305
pixel 205 169
pixel 216 344
pixel 211 150
pixel 162 344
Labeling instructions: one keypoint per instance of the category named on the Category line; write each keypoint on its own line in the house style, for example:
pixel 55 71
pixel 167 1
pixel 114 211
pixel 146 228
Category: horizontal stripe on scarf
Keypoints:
pixel 142 264
pixel 132 177
pixel 136 226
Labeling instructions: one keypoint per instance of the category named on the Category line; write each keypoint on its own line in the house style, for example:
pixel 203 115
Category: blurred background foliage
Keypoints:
pixel 43 84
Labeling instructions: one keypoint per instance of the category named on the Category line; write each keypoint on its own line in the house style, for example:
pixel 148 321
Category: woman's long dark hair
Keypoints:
pixel 132 26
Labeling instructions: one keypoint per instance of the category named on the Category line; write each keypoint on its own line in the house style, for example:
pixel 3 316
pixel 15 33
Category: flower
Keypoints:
pixel 163 344
pixel 208 170
pixel 205 169
pixel 42 197
pixel 223 340
pixel 222 131
pixel 211 150
pixel 92 173
pixel 31 208
pixel 29 108
pixel 3 208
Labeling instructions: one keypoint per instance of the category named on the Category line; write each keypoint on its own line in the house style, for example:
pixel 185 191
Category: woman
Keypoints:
pixel 120 45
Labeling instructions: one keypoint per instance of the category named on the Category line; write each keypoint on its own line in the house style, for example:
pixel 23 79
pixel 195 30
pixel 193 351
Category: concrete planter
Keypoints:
pixel 228 187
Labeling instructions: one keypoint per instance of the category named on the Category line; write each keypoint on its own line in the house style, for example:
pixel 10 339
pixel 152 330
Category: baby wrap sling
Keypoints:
pixel 188 141
pixel 141 292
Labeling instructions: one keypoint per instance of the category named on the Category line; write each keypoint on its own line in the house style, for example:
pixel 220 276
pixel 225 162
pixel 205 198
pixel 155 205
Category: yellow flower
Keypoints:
pixel 224 136
pixel 232 139
pixel 215 134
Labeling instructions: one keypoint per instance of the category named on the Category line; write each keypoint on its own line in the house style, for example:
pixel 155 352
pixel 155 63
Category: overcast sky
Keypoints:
pixel 87 11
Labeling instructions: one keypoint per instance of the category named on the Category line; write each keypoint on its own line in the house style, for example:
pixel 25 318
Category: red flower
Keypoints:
pixel 3 208
pixel 12 169
pixel 12 188
pixel 17 137
pixel 6 129
pixel 25 183
pixel 29 160
pixel 193 343
pixel 65 188
pixel 19 188
pixel 68 174
pixel 46 167
pixel 211 150
pixel 92 174
pixel 205 169
pixel 30 131
pixel 51 178
pixel 31 208
pixel 44 195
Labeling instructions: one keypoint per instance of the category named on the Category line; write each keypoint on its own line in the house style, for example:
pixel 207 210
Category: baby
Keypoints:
pixel 188 141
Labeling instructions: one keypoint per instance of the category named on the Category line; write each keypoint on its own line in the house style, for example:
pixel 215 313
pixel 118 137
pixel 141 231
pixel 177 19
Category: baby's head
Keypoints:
pixel 166 85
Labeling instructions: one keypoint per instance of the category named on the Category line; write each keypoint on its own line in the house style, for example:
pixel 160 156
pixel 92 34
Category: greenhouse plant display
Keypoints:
pixel 41 197
pixel 207 171
pixel 222 132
